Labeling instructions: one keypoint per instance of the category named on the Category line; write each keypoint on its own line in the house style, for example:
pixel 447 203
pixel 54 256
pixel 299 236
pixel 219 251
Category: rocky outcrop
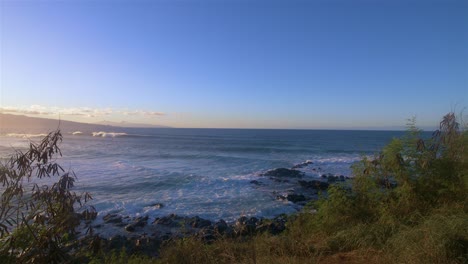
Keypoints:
pixel 284 172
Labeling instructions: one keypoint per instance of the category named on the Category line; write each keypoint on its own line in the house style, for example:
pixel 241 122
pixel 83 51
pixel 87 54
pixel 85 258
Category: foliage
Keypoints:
pixel 407 204
pixel 36 221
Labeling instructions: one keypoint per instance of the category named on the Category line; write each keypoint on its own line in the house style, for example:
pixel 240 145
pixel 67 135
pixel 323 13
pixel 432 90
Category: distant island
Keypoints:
pixel 10 123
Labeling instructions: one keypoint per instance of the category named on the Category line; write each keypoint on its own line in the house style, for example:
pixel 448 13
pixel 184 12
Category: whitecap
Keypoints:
pixel 108 134
pixel 19 135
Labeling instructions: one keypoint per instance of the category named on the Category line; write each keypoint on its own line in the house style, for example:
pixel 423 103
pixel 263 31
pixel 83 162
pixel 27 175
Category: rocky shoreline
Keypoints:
pixel 144 235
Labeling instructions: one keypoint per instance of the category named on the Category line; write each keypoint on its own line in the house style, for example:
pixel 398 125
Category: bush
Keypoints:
pixel 36 221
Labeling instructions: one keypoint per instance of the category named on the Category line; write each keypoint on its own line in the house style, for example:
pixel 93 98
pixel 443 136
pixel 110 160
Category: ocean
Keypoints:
pixel 203 172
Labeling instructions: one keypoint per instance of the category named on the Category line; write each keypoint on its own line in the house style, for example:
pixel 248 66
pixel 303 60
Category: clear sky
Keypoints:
pixel 235 63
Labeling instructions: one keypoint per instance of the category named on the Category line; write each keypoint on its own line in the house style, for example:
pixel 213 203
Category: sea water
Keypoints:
pixel 204 172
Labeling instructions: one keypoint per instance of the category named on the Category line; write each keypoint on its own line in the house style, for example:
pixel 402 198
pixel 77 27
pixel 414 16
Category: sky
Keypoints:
pixel 236 64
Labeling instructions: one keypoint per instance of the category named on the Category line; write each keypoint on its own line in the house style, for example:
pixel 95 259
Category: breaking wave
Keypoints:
pixel 108 134
pixel 20 135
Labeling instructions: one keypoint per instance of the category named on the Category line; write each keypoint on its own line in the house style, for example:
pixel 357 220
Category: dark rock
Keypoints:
pixel 112 218
pixel 284 172
pixel 169 221
pixel 281 198
pixel 221 226
pixel 157 205
pixel 130 228
pixel 278 180
pixel 255 182
pixel 198 222
pixel 332 178
pixel 295 198
pixel 314 184
pixel 141 221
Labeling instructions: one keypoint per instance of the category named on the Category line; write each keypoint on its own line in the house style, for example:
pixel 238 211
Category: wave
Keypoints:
pixel 108 134
pixel 77 133
pixel 20 135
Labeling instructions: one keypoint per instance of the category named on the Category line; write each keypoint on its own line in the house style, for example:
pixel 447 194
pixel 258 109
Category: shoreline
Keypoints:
pixel 146 234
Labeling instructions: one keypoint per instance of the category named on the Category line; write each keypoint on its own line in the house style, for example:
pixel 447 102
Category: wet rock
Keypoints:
pixel 281 198
pixel 284 172
pixel 279 180
pixel 295 198
pixel 198 222
pixel 130 228
pixel 157 205
pixel 255 182
pixel 138 222
pixel 320 185
pixel 141 221
pixel 112 218
pixel 168 221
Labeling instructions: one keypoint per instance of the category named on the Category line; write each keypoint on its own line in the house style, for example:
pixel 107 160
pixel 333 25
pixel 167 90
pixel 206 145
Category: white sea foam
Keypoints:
pixel 77 133
pixel 20 135
pixel 108 134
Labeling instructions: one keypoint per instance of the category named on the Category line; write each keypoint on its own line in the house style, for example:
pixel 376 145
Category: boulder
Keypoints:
pixel 295 198
pixel 284 172
pixel 198 222
pixel 221 226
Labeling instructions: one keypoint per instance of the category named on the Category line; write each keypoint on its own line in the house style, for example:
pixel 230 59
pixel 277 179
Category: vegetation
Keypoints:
pixel 407 204
pixel 37 221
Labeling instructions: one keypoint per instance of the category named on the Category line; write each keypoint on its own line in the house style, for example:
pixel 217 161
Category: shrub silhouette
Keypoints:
pixel 36 221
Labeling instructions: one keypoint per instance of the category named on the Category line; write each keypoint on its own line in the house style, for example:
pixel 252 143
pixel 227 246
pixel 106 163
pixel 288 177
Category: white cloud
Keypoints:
pixel 76 111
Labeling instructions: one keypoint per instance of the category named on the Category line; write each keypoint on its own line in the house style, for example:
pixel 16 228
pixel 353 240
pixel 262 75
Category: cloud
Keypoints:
pixel 23 111
pixel 76 111
pixel 143 113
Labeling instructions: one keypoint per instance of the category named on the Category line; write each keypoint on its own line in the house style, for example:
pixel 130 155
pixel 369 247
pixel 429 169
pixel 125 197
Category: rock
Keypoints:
pixel 332 178
pixel 314 184
pixel 255 182
pixel 295 198
pixel 130 228
pixel 157 205
pixel 284 172
pixel 279 180
pixel 198 222
pixel 221 226
pixel 281 198
pixel 168 221
pixel 112 218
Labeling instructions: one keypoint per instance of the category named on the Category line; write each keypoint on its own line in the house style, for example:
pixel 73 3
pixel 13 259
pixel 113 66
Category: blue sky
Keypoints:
pixel 247 64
